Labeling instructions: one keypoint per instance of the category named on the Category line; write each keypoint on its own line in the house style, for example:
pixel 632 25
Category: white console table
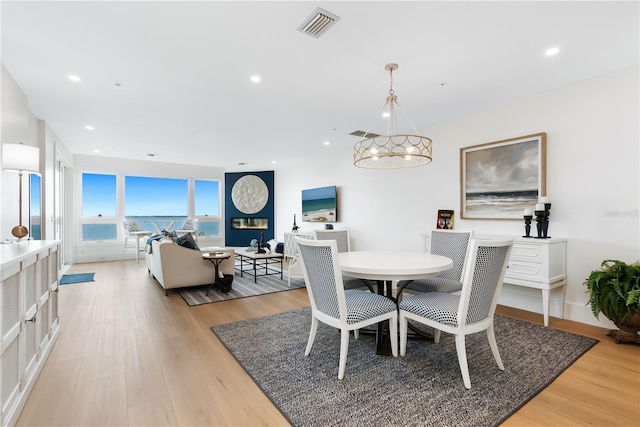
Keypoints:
pixel 30 325
pixel 534 263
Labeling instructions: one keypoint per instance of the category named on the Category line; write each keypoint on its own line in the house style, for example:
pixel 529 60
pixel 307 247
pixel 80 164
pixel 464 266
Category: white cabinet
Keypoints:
pixel 534 263
pixel 29 319
pixel 539 264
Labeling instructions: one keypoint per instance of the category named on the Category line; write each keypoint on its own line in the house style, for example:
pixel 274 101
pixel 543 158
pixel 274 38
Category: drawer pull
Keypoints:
pixel 32 320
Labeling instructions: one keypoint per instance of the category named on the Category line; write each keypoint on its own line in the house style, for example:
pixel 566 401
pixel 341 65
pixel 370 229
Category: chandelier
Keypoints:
pixel 394 150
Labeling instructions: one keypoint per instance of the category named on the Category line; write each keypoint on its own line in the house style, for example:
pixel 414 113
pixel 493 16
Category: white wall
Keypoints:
pixel 18 125
pixel 592 179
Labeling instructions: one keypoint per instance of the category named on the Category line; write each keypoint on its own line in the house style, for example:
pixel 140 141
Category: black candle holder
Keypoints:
pixel 540 215
pixel 542 224
pixel 527 225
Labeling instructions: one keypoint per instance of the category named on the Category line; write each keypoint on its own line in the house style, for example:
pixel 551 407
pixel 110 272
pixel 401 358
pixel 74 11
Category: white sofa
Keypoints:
pixel 174 266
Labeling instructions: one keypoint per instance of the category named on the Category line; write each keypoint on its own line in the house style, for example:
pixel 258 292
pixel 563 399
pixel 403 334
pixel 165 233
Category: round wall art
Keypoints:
pixel 250 194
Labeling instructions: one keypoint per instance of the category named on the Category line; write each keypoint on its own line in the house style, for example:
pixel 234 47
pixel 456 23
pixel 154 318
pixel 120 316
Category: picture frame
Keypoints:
pixel 499 179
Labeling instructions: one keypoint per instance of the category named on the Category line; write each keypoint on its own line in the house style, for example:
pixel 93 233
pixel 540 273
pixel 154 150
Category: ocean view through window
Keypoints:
pixel 155 203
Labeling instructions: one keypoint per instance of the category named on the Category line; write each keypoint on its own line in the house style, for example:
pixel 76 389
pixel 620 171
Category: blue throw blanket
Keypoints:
pixel 147 247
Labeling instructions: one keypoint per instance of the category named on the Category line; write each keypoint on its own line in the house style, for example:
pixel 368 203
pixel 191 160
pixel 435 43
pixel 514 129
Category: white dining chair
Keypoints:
pixel 133 230
pixel 449 243
pixel 341 236
pixel 347 310
pixel 470 312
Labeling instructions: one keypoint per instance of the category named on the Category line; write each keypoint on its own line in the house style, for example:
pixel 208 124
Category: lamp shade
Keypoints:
pixel 20 157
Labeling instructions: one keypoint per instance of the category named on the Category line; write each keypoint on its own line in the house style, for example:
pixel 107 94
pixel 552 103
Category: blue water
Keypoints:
pixel 110 231
pixel 35 232
pixel 309 206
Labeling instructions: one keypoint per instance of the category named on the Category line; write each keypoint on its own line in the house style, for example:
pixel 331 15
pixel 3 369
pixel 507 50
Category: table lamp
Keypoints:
pixel 20 158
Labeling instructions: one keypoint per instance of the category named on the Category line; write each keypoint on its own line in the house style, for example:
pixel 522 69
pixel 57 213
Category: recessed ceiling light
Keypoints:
pixel 552 51
pixel 273 161
pixel 96 151
pixel 386 114
pixel 88 127
pixel 73 78
pixel 255 79
pixel 327 143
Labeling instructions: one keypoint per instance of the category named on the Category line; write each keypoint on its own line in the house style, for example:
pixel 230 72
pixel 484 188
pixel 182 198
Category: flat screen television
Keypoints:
pixel 320 204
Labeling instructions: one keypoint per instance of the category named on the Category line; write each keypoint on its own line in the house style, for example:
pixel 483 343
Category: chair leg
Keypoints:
pixel 462 359
pixel 124 249
pixel 137 249
pixel 494 347
pixel 344 348
pixel 312 335
pixel 393 335
pixel 436 335
pixel 403 335
pixel 356 333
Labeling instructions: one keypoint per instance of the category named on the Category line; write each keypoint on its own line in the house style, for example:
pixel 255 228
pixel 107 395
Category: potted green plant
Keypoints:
pixel 614 290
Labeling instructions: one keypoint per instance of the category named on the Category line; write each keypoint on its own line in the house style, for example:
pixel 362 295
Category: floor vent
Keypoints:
pixel 318 23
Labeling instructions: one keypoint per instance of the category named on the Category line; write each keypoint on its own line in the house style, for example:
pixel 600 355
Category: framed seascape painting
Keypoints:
pixel 498 180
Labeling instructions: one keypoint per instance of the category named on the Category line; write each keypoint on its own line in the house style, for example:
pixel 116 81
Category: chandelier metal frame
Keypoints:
pixel 394 150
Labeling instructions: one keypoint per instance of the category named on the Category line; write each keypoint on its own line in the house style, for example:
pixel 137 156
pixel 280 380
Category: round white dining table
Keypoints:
pixel 392 265
pixel 385 267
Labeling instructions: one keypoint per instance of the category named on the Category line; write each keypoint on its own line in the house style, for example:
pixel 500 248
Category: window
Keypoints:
pixel 207 207
pixel 99 220
pixel 156 203
pixel 34 207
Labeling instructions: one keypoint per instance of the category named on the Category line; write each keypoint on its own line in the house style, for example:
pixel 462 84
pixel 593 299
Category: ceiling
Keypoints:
pixel 173 78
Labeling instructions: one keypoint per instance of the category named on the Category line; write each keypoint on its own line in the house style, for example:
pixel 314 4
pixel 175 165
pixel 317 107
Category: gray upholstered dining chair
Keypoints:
pixel 470 312
pixel 331 304
pixel 341 236
pixel 449 243
pixel 133 230
pixel 190 226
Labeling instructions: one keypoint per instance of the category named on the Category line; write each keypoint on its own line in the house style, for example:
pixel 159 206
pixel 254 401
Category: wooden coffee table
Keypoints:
pixel 256 264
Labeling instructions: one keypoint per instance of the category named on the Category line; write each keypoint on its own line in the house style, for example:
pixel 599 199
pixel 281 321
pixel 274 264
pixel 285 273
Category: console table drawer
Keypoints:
pixel 529 252
pixel 526 270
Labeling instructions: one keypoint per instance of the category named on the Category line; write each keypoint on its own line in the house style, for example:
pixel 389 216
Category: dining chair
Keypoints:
pixel 331 304
pixel 341 236
pixel 133 230
pixel 449 243
pixel 190 226
pixel 470 312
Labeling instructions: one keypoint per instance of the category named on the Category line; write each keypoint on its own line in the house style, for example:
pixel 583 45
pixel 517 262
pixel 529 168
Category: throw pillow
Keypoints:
pixel 168 233
pixel 187 241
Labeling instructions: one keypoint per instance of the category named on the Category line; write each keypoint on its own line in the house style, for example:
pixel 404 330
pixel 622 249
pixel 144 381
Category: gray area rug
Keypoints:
pixel 423 388
pixel 242 287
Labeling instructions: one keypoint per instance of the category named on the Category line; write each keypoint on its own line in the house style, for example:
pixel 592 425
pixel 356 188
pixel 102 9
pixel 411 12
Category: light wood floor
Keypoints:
pixel 130 356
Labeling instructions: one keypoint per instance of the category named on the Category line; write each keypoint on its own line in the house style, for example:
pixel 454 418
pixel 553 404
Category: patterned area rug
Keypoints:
pixel 68 279
pixel 424 388
pixel 242 287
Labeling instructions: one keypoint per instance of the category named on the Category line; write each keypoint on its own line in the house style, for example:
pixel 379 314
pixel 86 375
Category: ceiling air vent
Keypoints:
pixel 361 133
pixel 318 23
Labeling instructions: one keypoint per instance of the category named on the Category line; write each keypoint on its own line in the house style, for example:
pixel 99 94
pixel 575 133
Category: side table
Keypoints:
pixel 216 258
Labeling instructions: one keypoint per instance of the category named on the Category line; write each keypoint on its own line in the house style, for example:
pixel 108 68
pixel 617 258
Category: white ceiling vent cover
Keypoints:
pixel 318 23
